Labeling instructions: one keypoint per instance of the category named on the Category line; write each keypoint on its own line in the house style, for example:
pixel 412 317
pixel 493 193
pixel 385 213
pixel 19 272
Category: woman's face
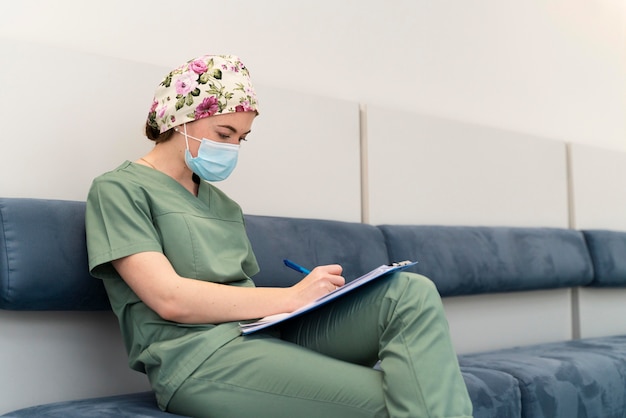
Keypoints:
pixel 231 128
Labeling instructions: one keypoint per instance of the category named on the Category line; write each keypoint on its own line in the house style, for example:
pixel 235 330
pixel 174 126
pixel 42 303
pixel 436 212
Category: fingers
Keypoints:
pixel 337 281
pixel 330 269
pixel 321 281
pixel 329 276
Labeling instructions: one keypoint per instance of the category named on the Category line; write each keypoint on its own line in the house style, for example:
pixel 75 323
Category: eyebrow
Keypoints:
pixel 232 129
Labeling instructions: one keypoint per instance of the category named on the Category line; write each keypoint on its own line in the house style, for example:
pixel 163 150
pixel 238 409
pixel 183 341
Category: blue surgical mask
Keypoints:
pixel 215 160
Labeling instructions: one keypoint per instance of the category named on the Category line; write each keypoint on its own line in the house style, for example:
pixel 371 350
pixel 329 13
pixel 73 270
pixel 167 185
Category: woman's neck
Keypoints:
pixel 169 158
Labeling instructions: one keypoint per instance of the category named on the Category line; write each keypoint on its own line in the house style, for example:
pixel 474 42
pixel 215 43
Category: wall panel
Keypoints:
pixel 598 187
pixel 87 346
pixel 67 117
pixel 602 312
pixel 501 320
pixel 425 170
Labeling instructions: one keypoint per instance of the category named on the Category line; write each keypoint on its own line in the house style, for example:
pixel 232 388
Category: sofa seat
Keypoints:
pixel 136 405
pixel 578 378
pixel 494 394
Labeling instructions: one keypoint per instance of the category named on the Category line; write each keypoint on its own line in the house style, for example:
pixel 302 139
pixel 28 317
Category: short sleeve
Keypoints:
pixel 119 223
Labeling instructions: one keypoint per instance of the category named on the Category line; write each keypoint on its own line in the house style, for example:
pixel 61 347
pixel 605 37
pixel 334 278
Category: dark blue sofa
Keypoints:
pixel 43 266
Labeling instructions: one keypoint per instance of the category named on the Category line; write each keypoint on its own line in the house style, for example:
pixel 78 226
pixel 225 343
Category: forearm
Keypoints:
pixel 151 276
pixel 194 301
pixel 184 300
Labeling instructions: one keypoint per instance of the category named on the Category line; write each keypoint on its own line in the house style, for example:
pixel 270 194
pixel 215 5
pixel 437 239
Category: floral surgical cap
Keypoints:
pixel 202 87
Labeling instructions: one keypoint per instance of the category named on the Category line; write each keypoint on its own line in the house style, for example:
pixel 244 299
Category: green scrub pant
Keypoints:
pixel 319 365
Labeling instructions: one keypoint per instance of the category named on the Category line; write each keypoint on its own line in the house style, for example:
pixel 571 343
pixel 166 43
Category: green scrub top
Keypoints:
pixel 133 209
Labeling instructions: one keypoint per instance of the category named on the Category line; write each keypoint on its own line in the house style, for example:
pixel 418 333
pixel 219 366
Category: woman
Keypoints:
pixel 177 266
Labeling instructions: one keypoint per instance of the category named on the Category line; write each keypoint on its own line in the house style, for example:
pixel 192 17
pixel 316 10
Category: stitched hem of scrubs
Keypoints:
pixel 98 262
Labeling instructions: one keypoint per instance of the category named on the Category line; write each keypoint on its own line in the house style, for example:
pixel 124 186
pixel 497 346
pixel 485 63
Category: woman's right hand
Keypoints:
pixel 321 281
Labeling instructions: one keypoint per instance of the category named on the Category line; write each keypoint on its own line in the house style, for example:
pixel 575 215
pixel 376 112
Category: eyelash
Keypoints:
pixel 226 137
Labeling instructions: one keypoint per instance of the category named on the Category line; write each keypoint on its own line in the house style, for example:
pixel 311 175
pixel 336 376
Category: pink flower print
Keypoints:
pixel 155 103
pixel 186 83
pixel 244 106
pixel 161 111
pixel 208 107
pixel 198 67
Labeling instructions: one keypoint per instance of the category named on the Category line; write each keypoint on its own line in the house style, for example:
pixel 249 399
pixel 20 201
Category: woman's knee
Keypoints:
pixel 417 284
pixel 417 291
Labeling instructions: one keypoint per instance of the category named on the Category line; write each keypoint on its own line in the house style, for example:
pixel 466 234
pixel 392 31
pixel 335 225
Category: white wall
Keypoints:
pixel 555 69
pixel 54 356
pixel 598 188
pixel 425 170
pixel 502 320
pixel 68 117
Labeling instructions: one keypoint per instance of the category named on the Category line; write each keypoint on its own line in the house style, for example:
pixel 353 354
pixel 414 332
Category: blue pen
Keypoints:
pixel 296 267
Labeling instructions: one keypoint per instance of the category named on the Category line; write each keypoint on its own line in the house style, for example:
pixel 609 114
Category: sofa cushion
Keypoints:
pixel 472 260
pixel 579 378
pixel 43 257
pixel 494 394
pixel 312 242
pixel 608 254
pixel 136 405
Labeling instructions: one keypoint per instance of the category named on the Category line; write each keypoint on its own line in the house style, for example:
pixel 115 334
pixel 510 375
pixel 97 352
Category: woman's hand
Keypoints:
pixel 321 281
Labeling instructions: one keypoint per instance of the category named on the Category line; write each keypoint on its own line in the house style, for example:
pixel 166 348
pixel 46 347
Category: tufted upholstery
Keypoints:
pixel 607 249
pixel 473 260
pixel 579 378
pixel 43 257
